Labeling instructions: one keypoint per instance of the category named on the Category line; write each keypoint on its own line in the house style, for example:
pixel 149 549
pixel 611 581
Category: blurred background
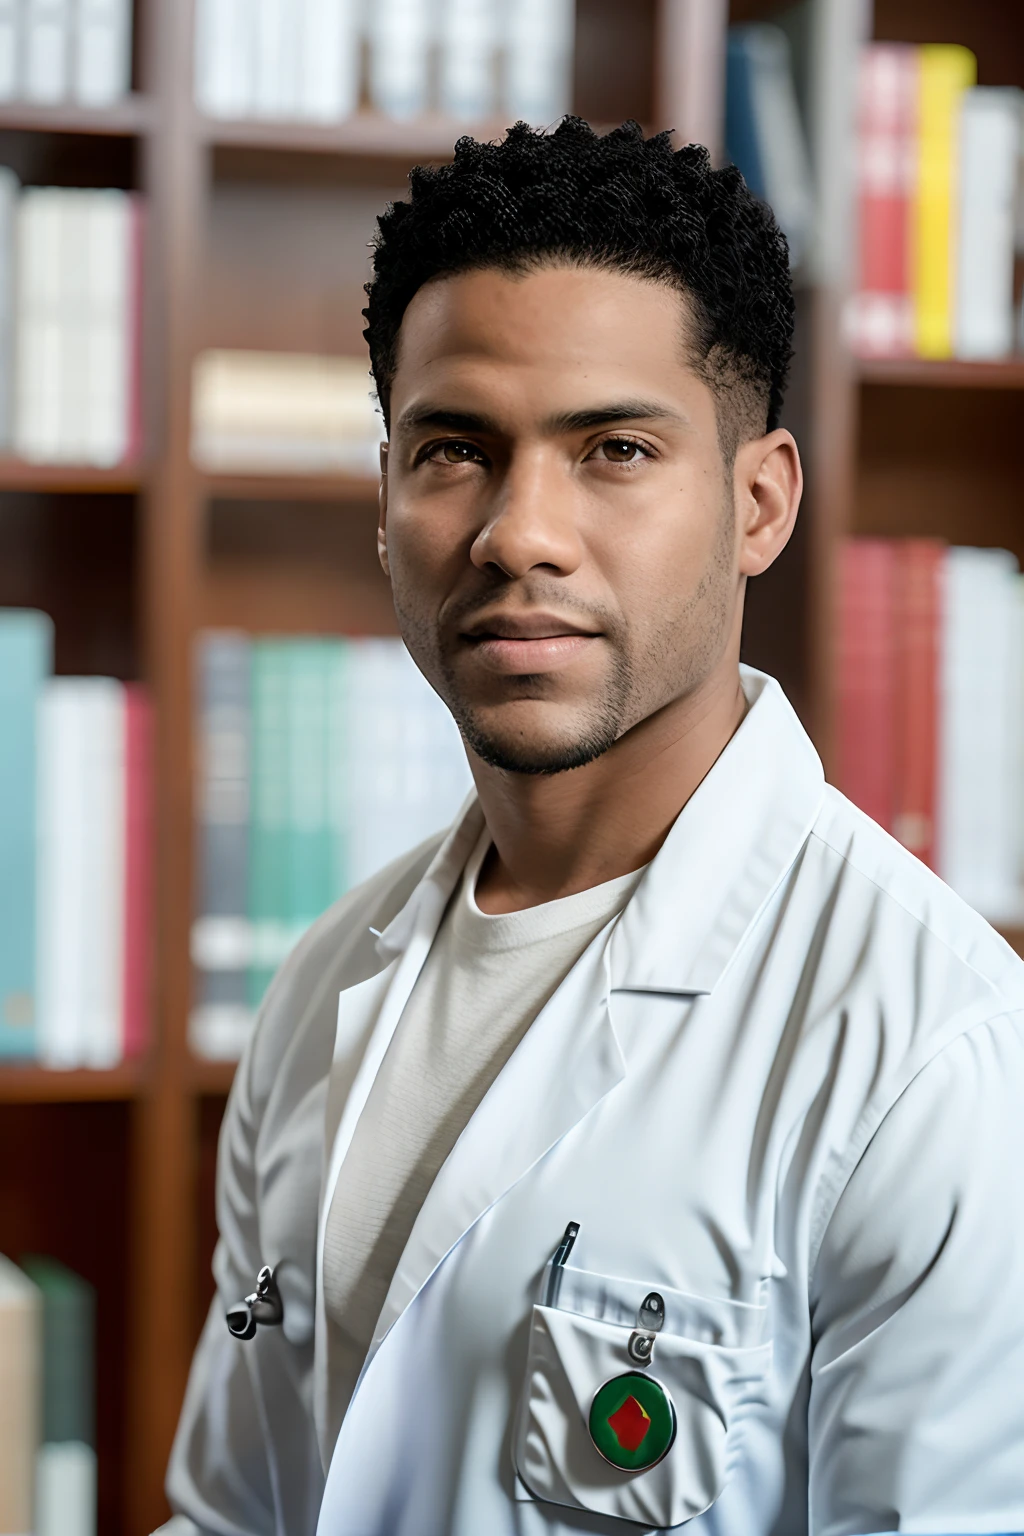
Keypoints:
pixel 208 728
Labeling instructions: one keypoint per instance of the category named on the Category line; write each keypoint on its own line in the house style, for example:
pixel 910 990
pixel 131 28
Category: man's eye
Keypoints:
pixel 454 453
pixel 621 450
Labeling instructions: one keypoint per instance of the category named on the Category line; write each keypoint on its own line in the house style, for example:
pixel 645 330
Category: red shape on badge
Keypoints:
pixel 630 1424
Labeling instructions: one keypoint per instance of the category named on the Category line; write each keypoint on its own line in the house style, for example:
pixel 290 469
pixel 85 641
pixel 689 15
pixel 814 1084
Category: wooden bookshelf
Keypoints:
pixel 257 237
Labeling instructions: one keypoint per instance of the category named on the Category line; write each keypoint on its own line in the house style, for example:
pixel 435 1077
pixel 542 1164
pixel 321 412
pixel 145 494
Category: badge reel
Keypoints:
pixel 263 1306
pixel 632 1418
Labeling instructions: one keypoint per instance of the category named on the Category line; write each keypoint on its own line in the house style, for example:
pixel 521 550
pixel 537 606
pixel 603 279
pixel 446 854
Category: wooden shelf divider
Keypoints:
pixel 947 373
pixel 31 1084
pixel 129 118
pixel 18 475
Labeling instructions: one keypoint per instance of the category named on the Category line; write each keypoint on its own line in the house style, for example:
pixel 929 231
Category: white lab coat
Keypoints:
pixel 785 1089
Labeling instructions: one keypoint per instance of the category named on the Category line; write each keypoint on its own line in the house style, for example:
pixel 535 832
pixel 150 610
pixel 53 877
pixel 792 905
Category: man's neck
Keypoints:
pixel 556 835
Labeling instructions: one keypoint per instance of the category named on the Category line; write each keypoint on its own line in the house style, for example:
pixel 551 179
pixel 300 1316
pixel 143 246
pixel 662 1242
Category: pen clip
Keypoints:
pixel 557 1264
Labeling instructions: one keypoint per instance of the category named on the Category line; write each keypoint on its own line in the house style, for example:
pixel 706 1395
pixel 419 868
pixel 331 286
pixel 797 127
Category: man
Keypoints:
pixel 647 1149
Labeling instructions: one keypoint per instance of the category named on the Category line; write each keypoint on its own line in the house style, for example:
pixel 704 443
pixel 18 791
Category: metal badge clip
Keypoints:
pixel 263 1305
pixel 650 1319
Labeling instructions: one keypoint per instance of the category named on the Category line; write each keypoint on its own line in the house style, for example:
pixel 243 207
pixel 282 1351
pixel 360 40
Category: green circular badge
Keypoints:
pixel 632 1421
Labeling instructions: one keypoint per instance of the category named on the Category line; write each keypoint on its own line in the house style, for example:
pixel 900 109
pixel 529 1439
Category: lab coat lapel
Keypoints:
pixel 566 1063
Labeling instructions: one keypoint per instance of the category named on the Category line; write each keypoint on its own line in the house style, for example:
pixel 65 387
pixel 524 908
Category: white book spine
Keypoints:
pixel 10 49
pixel 990 136
pixel 277 26
pixel 400 34
pixel 470 33
pixel 66 1489
pixel 105 403
pixel 331 49
pixel 538 60
pixel 105 858
pixel 8 214
pixel 225 57
pixel 47 50
pixel 61 802
pixel 102 51
pixel 978 749
pixel 38 340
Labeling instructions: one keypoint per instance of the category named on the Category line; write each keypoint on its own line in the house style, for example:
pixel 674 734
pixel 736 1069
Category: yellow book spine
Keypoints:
pixel 947 70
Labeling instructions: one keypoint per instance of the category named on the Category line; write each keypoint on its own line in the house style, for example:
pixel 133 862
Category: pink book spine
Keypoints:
pixel 133 330
pixel 867 653
pixel 138 894
pixel 881 321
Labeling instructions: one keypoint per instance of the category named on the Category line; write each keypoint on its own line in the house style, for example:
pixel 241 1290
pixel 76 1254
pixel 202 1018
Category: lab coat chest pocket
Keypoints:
pixel 705 1360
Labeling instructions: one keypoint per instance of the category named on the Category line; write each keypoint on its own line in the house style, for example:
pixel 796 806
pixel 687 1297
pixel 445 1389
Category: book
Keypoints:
pixel 989 151
pixel 102 51
pixel 866 745
pixel 311 865
pixel 399 42
pixel 10 49
pixel 225 62
pixel 917 624
pixel 139 728
pixel 76 353
pixel 221 942
pixel 946 72
pixel 881 320
pixel 538 52
pixel 276 78
pixel 26 659
pixel 20 1397
pixel 470 37
pixel 329 64
pixel 268 902
pixel 979 754
pixel 66 1462
pixel 767 129
pixel 46 50
pixel 9 191
pixel 265 411
pixel 80 872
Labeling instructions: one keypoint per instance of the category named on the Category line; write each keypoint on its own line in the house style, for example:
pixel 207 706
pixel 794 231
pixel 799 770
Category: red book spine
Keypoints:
pixel 138 893
pixel 133 331
pixel 866 654
pixel 881 318
pixel 918 606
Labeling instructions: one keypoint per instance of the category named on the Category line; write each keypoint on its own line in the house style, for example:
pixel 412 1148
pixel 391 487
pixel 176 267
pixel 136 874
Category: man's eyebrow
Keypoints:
pixel 587 420
pixel 418 416
pixel 608 415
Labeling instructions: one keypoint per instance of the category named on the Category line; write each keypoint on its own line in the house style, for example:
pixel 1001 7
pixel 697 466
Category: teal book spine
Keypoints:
pixel 309 822
pixel 339 796
pixel 26 659
pixel 268 897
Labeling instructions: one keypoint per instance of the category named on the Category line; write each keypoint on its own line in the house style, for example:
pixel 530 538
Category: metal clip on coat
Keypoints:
pixel 650 1319
pixel 263 1306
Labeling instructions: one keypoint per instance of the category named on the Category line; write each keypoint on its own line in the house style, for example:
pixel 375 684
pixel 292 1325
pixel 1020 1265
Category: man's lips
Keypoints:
pixel 526 643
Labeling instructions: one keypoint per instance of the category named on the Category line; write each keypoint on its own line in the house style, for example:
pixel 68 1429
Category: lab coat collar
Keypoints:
pixel 729 848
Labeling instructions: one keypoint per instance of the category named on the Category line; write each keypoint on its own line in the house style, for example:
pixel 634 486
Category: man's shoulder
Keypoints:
pixel 338 951
pixel 906 911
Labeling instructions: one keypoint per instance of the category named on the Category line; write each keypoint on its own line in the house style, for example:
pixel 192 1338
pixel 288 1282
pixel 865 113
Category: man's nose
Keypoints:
pixel 533 519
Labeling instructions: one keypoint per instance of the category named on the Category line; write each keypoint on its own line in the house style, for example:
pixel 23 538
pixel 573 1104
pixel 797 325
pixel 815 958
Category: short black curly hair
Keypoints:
pixel 616 201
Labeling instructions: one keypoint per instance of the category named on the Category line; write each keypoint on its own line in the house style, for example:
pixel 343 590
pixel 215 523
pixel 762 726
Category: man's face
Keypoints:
pixel 559 523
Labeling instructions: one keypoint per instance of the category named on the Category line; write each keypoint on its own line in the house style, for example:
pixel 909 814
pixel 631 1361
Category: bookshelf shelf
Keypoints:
pixel 365 136
pixel 951 374
pixel 17 475
pixel 129 118
pixel 31 1084
pixel 353 489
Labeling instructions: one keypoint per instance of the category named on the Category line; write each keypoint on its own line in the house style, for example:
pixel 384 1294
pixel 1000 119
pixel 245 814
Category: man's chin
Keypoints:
pixel 536 752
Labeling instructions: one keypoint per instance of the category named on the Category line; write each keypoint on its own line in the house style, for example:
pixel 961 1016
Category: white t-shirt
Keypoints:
pixel 484 982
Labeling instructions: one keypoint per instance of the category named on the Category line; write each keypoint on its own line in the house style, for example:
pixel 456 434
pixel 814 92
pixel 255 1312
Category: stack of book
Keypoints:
pixel 321 59
pixel 70 311
pixel 938 167
pixel 931 696
pixel 65 50
pixel 75 857
pixel 319 761
pixel 283 411
pixel 47 1441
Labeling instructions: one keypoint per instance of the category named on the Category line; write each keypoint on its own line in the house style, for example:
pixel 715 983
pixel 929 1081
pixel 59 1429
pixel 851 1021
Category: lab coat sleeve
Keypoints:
pixel 219 1474
pixel 916 1412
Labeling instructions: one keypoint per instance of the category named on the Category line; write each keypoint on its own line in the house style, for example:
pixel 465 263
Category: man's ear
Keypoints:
pixel 768 482
pixel 382 503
